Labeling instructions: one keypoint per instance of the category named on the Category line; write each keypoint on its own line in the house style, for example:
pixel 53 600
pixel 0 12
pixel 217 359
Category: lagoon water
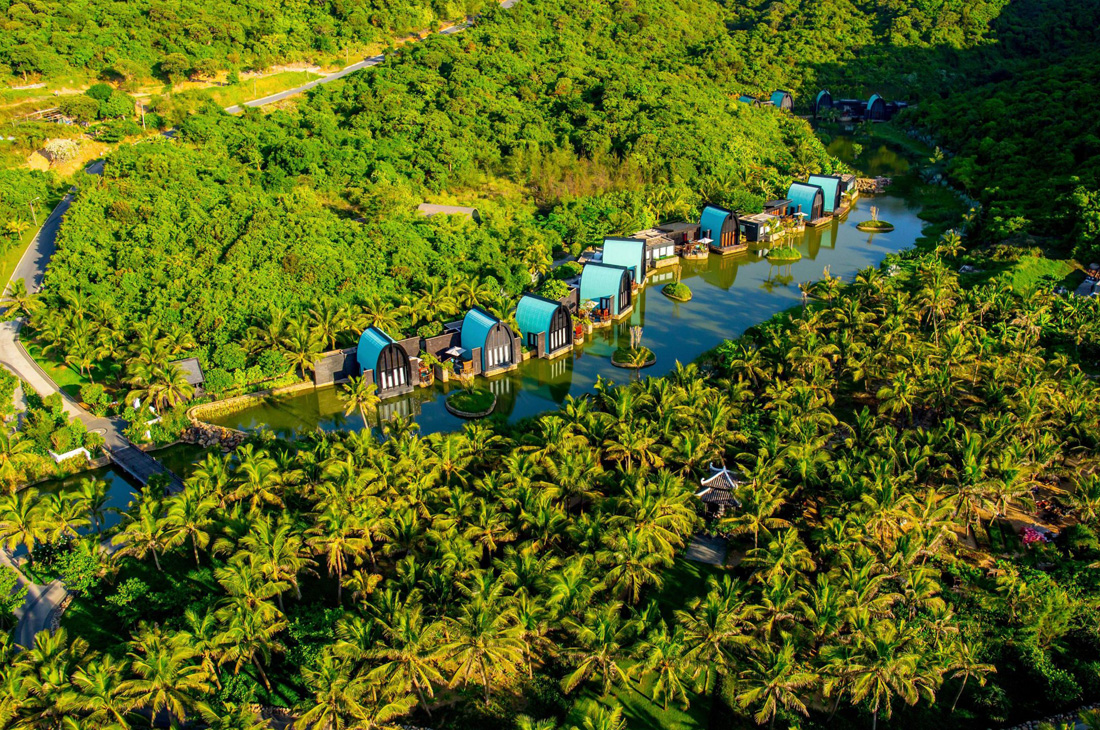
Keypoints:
pixel 730 295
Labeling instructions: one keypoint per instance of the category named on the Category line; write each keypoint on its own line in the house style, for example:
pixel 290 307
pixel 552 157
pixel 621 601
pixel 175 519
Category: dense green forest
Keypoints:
pixel 465 578
pixel 885 435
pixel 127 41
pixel 300 225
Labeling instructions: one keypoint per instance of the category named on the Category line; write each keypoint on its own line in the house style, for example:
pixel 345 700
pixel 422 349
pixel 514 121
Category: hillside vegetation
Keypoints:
pixel 172 39
pixel 559 131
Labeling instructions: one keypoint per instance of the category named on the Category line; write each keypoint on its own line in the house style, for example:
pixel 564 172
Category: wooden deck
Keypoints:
pixel 728 250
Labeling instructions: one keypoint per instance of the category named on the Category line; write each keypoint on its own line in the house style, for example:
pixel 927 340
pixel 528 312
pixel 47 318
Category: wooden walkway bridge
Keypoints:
pixel 139 465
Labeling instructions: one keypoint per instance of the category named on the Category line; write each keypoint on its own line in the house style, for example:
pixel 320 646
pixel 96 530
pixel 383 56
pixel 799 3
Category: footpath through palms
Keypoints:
pixel 42 602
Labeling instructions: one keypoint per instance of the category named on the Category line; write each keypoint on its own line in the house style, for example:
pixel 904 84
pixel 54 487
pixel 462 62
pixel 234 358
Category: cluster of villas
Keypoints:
pixel 482 344
pixel 873 109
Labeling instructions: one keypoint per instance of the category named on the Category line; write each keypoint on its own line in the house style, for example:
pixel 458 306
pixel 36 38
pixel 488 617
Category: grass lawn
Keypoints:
pixel 642 712
pixel 66 378
pixel 683 581
pixel 476 400
pixel 1029 273
pixel 254 89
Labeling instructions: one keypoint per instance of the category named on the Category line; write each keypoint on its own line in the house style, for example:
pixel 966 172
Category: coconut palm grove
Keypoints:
pixel 873 501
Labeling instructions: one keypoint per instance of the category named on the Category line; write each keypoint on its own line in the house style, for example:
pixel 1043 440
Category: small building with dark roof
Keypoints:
pixel 484 333
pixel 823 101
pixel 660 249
pixel 610 287
pixel 429 209
pixel 545 325
pixel 782 100
pixel 717 491
pixel 777 207
pixel 807 199
pixel 830 187
pixel 386 360
pixel 758 227
pixel 192 372
pixel 720 226
pixel 628 252
pixel 680 232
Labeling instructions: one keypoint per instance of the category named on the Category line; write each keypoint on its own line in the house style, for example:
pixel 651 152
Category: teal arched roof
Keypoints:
pixel 534 314
pixel 777 98
pixel 803 194
pixel 626 252
pixel 747 100
pixel 820 95
pixel 712 219
pixel 872 100
pixel 601 280
pixel 371 344
pixel 829 187
pixel 475 328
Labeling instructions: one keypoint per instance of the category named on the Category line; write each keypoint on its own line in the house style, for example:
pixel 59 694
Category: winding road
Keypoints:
pixel 43 601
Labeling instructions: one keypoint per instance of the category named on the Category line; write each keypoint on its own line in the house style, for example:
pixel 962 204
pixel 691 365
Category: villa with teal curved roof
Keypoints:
pixel 388 363
pixel 496 340
pixel 609 287
pixel 876 108
pixel 806 199
pixel 628 252
pixel 831 190
pixel 782 100
pixel 545 325
pixel 823 101
pixel 720 226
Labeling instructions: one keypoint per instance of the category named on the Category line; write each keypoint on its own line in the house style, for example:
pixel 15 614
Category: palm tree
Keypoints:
pixel 146 532
pixel 487 644
pixel 328 321
pixel 598 717
pixel 964 664
pixel 93 495
pixel 99 693
pixel 632 565
pixel 15 452
pixel 599 646
pixel 336 535
pixel 337 695
pixel 301 347
pixel 412 654
pixel 277 549
pixel 21 520
pixel 713 627
pixel 205 637
pixel 359 394
pixel 61 515
pixel 167 678
pixel 663 654
pixel 20 301
pixel 774 679
pixel 160 384
pixel 887 664
pixel 189 516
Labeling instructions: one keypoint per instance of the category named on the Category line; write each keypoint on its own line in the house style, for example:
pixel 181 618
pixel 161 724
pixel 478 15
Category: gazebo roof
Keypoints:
pixel 192 370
